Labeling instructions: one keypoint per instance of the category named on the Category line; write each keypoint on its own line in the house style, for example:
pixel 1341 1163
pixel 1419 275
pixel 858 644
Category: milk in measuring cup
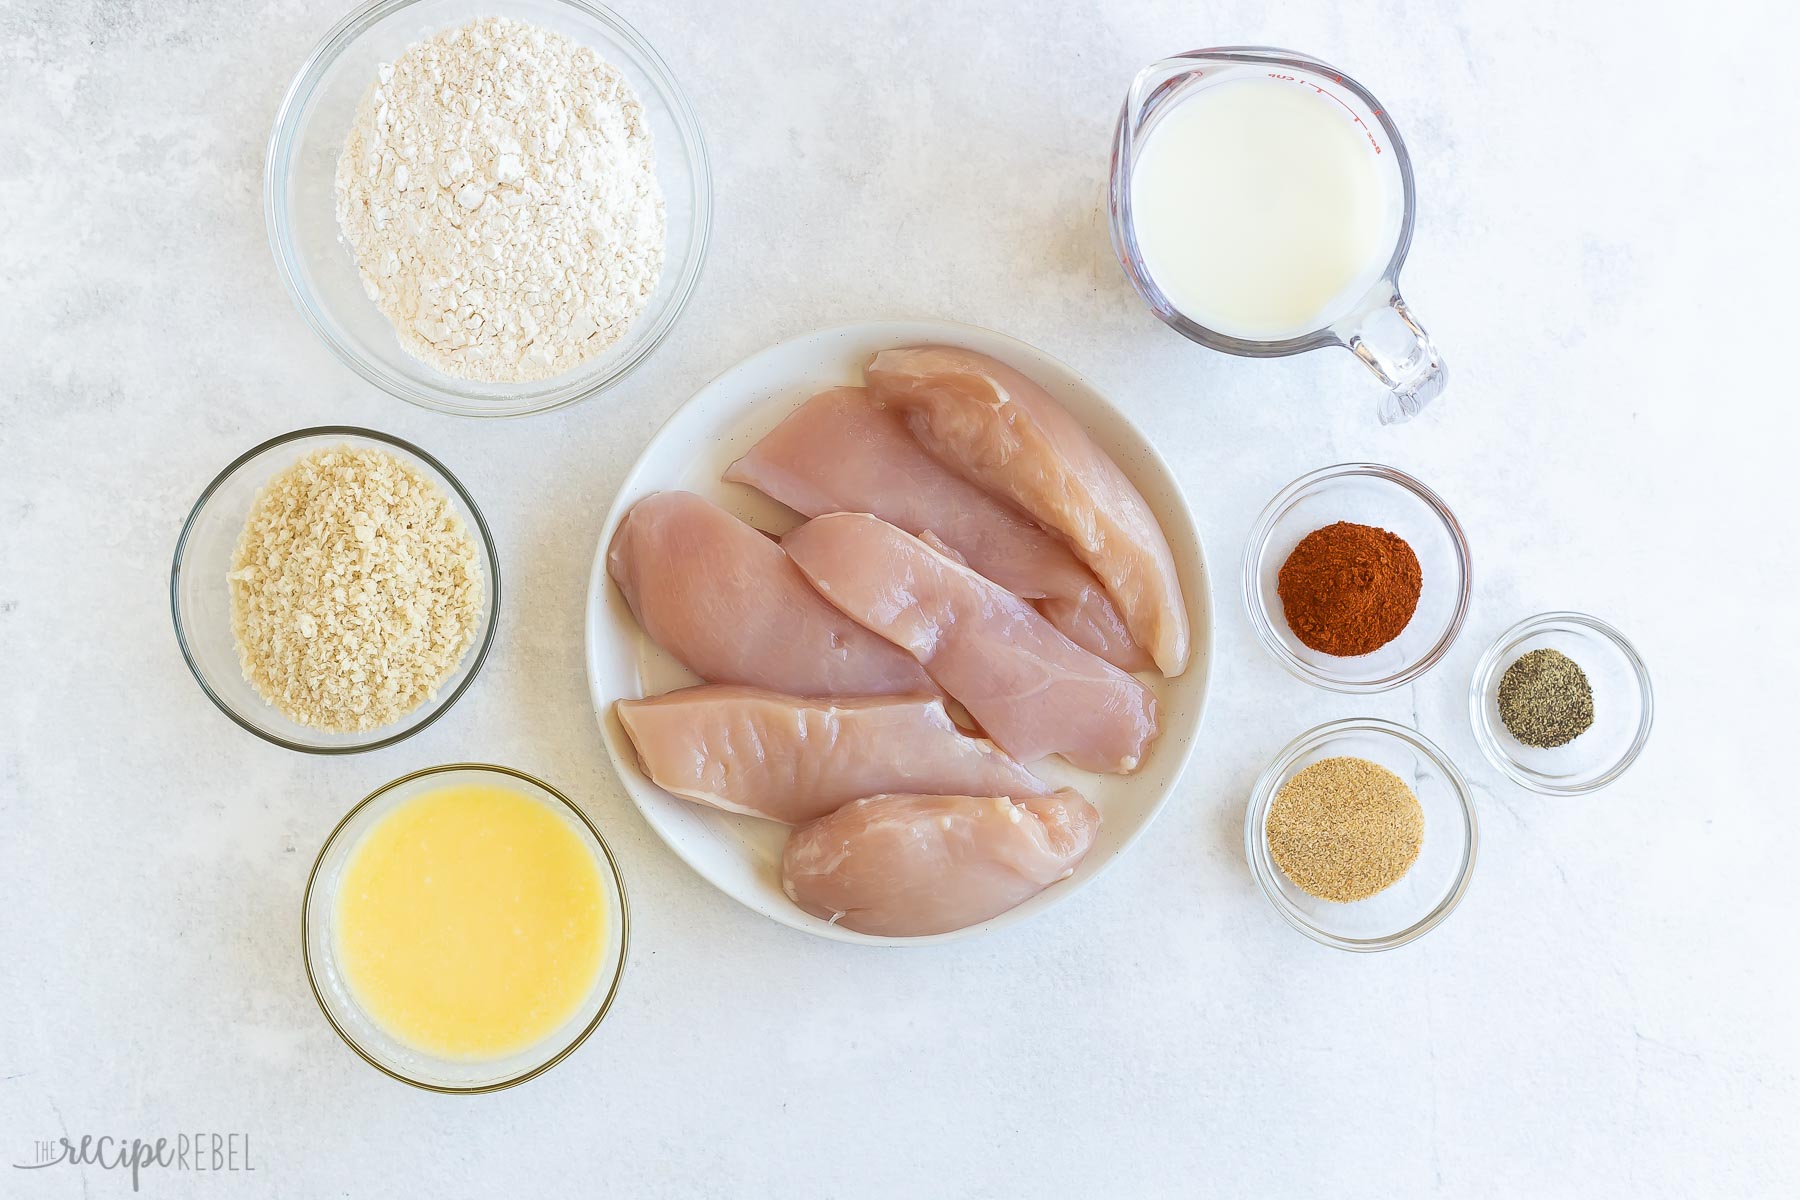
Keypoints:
pixel 1260 208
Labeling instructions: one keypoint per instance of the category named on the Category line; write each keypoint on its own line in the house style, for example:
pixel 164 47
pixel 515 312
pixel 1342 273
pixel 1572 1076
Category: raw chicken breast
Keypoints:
pixel 998 429
pixel 1093 622
pixel 907 866
pixel 724 599
pixel 842 452
pixel 793 760
pixel 1029 688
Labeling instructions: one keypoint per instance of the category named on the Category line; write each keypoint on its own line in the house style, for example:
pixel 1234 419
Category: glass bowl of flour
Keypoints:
pixel 488 209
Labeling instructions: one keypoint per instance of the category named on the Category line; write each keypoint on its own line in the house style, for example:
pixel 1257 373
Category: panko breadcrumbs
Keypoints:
pixel 355 590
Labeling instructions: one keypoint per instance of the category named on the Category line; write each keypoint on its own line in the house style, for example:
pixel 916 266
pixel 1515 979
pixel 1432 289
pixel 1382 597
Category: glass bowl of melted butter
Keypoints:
pixel 465 928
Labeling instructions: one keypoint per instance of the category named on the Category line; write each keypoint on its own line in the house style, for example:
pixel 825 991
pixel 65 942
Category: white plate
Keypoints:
pixel 741 856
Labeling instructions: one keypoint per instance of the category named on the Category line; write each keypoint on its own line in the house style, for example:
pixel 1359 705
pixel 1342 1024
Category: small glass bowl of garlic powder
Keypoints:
pixel 1406 903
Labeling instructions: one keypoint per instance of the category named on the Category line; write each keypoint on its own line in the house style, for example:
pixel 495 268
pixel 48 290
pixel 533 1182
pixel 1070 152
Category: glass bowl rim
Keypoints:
pixel 490 554
pixel 1262 866
pixel 612 866
pixel 1259 614
pixel 1495 751
pixel 434 397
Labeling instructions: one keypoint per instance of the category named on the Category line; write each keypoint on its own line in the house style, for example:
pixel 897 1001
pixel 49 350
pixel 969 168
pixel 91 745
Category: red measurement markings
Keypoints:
pixel 1367 132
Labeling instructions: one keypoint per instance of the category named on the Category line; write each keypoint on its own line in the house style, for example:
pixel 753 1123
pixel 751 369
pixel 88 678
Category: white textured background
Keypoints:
pixel 1605 249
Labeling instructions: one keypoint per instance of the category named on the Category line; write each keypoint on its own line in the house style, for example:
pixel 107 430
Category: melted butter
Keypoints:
pixel 471 922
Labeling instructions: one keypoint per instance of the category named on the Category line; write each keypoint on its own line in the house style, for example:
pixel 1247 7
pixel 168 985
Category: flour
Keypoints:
pixel 498 193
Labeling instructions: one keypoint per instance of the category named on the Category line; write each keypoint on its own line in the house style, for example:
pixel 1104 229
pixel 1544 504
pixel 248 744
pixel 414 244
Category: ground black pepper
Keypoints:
pixel 1545 699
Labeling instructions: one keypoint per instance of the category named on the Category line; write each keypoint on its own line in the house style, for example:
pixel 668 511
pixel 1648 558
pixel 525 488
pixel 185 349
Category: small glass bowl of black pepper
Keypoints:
pixel 1386 499
pixel 1561 703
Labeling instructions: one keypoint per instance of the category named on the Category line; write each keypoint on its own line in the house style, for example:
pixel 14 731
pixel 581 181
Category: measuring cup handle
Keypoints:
pixel 1396 347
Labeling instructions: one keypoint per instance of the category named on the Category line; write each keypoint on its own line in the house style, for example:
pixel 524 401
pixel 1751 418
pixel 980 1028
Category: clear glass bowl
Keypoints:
pixel 317 267
pixel 1427 893
pixel 201 601
pixel 1623 705
pixel 1367 494
pixel 360 1033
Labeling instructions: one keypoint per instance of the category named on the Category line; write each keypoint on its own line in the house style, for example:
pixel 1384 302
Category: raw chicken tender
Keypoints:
pixel 1029 688
pixel 793 760
pixel 725 600
pixel 842 452
pixel 907 866
pixel 1001 431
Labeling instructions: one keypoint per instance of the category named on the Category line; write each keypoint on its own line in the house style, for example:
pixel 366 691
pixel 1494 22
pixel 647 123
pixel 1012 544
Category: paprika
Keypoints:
pixel 1349 589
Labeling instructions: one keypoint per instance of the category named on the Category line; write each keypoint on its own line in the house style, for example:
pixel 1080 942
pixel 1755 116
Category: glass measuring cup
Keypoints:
pixel 1377 327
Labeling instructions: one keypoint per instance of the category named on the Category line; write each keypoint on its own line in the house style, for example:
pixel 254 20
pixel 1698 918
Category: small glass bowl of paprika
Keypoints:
pixel 1380 592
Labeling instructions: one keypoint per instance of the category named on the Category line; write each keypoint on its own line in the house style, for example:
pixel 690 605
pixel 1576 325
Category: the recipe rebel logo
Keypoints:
pixel 193 1153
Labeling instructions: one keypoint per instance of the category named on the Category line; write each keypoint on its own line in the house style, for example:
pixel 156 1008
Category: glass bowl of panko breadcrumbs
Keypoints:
pixel 335 590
